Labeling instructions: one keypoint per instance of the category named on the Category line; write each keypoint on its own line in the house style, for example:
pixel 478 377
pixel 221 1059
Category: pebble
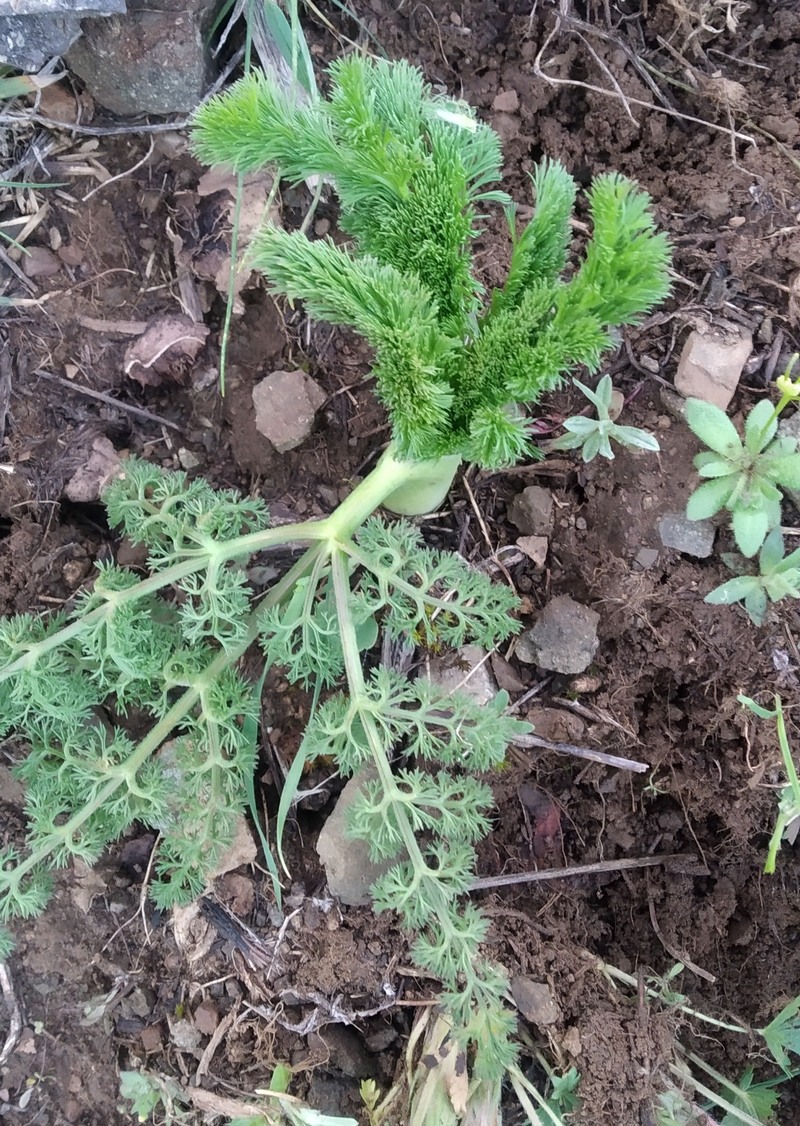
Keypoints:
pixel 467 671
pixel 564 638
pixel 285 404
pixel 712 362
pixel 692 537
pixel 535 1001
pixel 348 868
pixel 531 511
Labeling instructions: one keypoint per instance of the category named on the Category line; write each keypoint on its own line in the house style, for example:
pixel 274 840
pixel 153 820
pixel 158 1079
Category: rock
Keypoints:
pixel 532 511
pixel 349 870
pixel 466 671
pixel 535 1001
pixel 32 32
pixel 556 724
pixel 285 403
pixel 155 59
pixel 87 484
pixel 535 547
pixel 564 638
pixel 692 537
pixel 646 558
pixel 507 101
pixel 712 361
pixel 40 262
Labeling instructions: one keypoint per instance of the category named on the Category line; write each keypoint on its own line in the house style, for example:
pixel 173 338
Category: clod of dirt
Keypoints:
pixel 40 262
pixel 167 348
pixel 692 537
pixel 712 361
pixel 87 484
pixel 286 403
pixel 531 511
pixel 535 1001
pixel 466 671
pixel 348 868
pixel 564 638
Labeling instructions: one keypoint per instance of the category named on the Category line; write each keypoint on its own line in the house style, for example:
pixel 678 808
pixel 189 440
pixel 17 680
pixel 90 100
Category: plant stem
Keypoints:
pixel 655 995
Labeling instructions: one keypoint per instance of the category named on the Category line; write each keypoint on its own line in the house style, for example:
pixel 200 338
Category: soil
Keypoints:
pixel 101 981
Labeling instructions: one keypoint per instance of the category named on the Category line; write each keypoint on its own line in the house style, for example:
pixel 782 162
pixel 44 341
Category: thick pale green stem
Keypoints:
pixel 426 485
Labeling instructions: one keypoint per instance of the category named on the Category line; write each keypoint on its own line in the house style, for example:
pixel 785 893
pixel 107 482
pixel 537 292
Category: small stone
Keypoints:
pixel 40 262
pixel 206 1017
pixel 505 674
pixel 87 483
pixel 673 403
pixel 507 101
pixel 535 1001
pixel 465 671
pixel 535 547
pixel 580 524
pixel 531 511
pixel 616 405
pixel 348 868
pixel 75 571
pixel 646 558
pixel 556 724
pixel 650 363
pixel 664 422
pixel 188 459
pixel 571 1041
pixel 564 638
pixel 285 403
pixel 321 227
pixel 692 537
pixel 712 362
pixel 151 1038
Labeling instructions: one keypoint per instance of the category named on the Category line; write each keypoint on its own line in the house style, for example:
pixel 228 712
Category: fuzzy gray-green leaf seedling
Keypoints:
pixel 743 475
pixel 593 436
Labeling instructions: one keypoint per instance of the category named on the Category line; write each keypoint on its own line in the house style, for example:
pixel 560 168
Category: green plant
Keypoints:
pixel 162 650
pixel 788 820
pixel 778 578
pixel 593 436
pixel 744 475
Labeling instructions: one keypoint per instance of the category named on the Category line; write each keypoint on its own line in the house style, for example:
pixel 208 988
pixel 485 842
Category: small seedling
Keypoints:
pixel 159 653
pixel 787 824
pixel 744 475
pixel 593 436
pixel 778 577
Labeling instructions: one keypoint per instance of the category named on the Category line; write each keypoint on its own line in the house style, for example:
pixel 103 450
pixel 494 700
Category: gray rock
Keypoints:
pixel 349 870
pixel 535 1001
pixel 34 31
pixel 466 671
pixel 712 362
pixel 692 537
pixel 646 558
pixel 564 638
pixel 156 59
pixel 532 511
pixel 285 403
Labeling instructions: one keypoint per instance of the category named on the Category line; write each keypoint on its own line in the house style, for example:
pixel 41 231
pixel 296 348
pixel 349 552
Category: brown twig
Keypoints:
pixel 526 742
pixel 484 882
pixel 109 400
